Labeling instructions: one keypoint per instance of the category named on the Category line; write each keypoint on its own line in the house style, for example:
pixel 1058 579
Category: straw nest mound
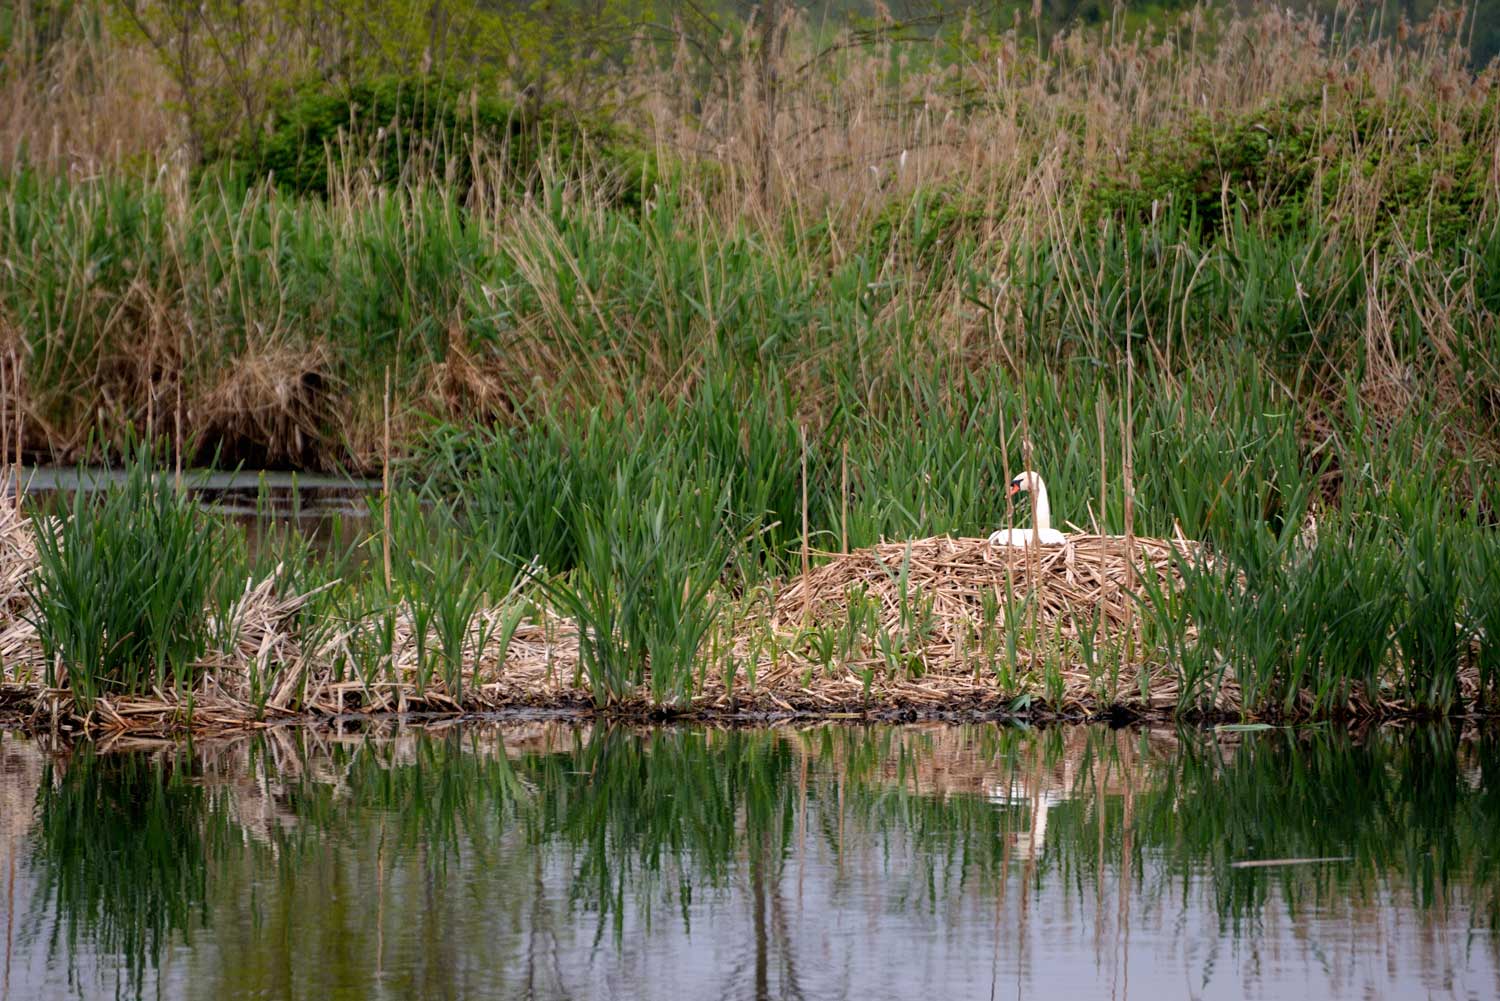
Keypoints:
pixel 1087 580
pixel 953 611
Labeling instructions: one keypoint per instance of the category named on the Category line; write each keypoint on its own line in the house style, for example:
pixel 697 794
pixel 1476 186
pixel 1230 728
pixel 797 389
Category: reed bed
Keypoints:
pixel 1230 283
pixel 943 618
pixel 1265 180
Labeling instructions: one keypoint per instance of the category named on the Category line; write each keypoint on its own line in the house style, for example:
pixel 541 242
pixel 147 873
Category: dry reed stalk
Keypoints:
pixel 385 480
pixel 836 128
pixel 843 500
pixel 1028 463
pixel 15 376
pixel 1127 472
pixel 177 435
pixel 1101 522
pixel 806 560
pixel 5 432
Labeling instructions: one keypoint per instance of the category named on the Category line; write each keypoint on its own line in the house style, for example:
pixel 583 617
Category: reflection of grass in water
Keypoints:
pixel 1400 803
pixel 125 842
pixel 627 804
pixel 641 820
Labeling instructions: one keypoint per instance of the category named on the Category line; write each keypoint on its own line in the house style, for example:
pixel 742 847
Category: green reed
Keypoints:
pixel 1313 615
pixel 120 595
pixel 649 556
pixel 438 577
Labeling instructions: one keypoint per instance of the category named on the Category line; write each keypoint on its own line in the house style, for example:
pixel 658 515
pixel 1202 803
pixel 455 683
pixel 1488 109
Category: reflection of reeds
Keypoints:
pixel 620 818
pixel 125 852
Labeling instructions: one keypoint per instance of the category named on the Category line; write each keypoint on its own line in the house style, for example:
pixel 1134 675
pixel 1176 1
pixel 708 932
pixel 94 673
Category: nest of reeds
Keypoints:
pixel 942 620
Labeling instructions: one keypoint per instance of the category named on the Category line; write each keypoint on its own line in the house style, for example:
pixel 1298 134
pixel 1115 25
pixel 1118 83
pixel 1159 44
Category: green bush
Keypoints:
pixel 1286 163
pixel 119 595
pixel 406 129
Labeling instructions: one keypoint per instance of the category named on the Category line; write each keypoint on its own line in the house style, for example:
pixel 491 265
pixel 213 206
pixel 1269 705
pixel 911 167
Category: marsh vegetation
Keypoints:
pixel 1224 277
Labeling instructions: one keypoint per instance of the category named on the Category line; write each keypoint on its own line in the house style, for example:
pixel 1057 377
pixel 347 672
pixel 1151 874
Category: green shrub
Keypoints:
pixel 119 595
pixel 405 129
pixel 1286 164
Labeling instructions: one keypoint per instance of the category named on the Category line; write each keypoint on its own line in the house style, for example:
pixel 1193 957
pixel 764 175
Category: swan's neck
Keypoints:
pixel 1041 511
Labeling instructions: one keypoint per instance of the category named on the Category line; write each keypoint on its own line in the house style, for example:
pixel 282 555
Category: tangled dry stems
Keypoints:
pixel 986 624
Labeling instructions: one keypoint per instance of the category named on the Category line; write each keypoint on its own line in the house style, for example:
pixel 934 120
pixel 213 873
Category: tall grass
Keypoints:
pixel 650 550
pixel 1263 180
pixel 120 594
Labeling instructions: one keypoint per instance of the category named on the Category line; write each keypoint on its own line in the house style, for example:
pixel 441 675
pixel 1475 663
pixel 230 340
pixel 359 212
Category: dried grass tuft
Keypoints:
pixel 19 649
pixel 274 404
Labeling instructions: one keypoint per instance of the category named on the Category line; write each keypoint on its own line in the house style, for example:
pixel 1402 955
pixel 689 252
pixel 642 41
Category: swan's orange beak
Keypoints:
pixel 1015 488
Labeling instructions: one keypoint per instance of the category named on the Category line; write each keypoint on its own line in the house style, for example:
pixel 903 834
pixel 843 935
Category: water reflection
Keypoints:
pixel 543 860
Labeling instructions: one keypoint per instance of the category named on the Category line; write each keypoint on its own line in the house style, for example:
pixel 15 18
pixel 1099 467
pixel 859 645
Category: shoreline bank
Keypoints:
pixel 37 710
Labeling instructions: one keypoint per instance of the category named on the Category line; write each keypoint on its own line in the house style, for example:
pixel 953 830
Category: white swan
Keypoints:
pixel 1041 533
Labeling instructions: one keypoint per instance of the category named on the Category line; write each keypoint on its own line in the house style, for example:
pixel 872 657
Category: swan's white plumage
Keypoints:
pixel 1026 537
pixel 1042 533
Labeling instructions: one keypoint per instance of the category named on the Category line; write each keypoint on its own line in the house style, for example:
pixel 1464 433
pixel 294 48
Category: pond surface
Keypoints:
pixel 267 504
pixel 547 860
pixel 244 487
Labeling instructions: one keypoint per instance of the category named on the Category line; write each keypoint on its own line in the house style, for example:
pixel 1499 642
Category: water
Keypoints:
pixel 546 860
pixel 242 487
pixel 267 504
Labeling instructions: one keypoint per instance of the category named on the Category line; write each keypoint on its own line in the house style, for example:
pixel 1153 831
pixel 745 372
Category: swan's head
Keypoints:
pixel 1027 482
